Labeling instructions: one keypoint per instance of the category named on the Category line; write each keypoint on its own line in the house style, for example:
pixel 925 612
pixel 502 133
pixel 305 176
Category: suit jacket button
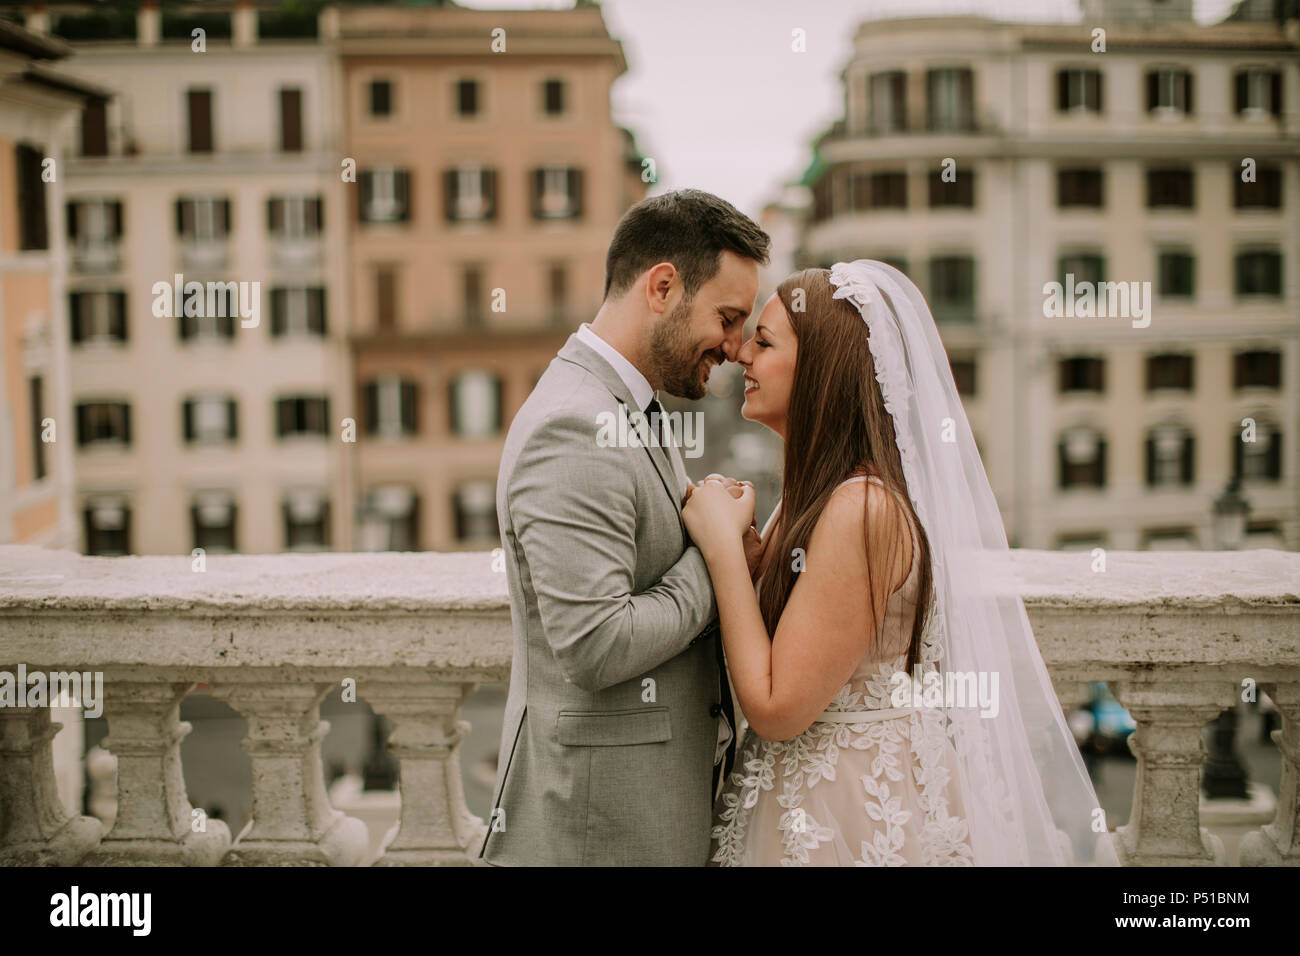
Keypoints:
pixel 715 710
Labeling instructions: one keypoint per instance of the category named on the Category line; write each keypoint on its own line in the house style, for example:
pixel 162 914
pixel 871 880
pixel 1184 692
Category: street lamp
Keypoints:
pixel 1225 774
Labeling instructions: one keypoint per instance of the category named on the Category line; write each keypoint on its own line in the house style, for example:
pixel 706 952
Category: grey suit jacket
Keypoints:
pixel 607 752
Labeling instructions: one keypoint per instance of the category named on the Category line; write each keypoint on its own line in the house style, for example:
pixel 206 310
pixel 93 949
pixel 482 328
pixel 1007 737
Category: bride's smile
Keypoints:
pixel 768 360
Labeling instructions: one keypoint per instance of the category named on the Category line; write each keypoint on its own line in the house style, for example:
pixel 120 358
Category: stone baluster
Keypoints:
pixel 155 824
pixel 435 828
pixel 1165 829
pixel 1278 843
pixel 293 823
pixel 35 828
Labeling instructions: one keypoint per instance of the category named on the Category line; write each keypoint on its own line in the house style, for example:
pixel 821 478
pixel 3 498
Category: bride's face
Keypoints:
pixel 768 359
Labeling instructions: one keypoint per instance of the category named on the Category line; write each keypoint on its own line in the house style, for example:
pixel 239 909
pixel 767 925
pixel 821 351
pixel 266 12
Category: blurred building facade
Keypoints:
pixel 1117 166
pixel 424 206
pixel 39 104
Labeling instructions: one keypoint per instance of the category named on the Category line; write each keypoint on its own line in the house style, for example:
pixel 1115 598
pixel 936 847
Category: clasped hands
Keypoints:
pixel 719 510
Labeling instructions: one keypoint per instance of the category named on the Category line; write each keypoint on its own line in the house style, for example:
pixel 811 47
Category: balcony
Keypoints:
pixel 1173 636
pixel 96 256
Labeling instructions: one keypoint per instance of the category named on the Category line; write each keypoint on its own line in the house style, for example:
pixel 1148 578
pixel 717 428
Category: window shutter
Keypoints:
pixel 370 407
pixel 184 327
pixel 290 120
pixel 1241 80
pixel 224 226
pixel 323 405
pixel 180 217
pixel 454 406
pixel 83 425
pixel 1274 460
pixel 274 215
pixel 316 311
pixel 575 192
pixel 232 419
pixel 187 418
pixel 284 416
pixel 538 180
pixel 94 129
pixel 1094 80
pixel 499 414
pixel 450 190
pixel 410 409
pixel 317 209
pixel 402 190
pixel 1238 453
pixel 117 316
pixel 1151 461
pixel 1189 459
pixel 1275 86
pixel 117 219
pixel 490 192
pixel 277 312
pixel 1063 466
pixel 74 316
pixel 1189 87
pixel 126 423
pixel 72 220
pixel 1062 90
pixel 1153 90
pixel 1101 463
pixel 366 189
pixel 226 325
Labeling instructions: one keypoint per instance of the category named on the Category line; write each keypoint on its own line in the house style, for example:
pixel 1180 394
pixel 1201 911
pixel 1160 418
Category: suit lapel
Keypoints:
pixel 579 353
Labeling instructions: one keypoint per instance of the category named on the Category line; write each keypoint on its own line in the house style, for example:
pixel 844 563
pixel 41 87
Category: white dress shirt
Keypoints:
pixel 642 393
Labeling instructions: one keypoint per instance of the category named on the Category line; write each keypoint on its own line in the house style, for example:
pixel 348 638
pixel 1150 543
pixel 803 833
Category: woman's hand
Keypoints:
pixel 717 513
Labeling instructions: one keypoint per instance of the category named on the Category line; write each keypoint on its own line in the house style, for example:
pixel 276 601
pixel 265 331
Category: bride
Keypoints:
pixel 856 652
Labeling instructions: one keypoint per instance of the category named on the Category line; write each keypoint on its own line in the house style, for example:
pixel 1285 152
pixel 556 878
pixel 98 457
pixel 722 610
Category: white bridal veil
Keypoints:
pixel 1027 796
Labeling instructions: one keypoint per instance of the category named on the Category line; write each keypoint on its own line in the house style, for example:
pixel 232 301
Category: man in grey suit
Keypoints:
pixel 618 725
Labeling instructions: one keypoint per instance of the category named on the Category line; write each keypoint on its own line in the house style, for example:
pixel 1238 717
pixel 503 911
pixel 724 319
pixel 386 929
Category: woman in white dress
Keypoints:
pixel 873 569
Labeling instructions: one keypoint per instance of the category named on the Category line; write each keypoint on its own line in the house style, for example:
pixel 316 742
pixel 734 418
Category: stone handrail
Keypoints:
pixel 1172 633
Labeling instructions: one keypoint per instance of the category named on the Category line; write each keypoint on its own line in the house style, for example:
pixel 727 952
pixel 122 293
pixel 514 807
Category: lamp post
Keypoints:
pixel 1225 774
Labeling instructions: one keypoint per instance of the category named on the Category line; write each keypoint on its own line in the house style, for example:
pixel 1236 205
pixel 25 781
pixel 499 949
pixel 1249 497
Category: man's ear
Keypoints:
pixel 659 282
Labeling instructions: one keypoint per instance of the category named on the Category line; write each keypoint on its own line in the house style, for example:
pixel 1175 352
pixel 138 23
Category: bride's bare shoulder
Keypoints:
pixel 842 524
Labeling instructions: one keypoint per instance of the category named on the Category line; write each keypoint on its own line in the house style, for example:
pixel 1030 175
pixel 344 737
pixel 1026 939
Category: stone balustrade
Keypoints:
pixel 1174 635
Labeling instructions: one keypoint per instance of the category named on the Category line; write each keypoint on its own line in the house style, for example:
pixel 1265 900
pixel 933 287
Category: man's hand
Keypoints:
pixel 752 542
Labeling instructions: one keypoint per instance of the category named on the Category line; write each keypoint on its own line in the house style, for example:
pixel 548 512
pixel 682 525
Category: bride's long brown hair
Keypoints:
pixel 836 427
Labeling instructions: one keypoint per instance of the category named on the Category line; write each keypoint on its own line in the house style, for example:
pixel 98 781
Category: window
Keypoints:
pixel 1177 274
pixel 389 519
pixel 1081 267
pixel 94 227
pixel 97 317
pixel 297 311
pixel 290 120
pixel 199 109
pixel 963 375
pixel 1170 187
pixel 211 326
pixel 476 512
pixel 467 97
pixel 469 193
pixel 1259 272
pixel 553 97
pixel 202 219
pixel 952 288
pixel 33 229
pixel 1078 91
pixel 1169 91
pixel 306 520
pixel 1080 187
pixel 389 403
pixel 1261 459
pixel 212 519
pixel 557 294
pixel 1081 454
pixel 557 193
pixel 385 195
pixel 1257 369
pixel 960 193
pixel 108 525
pixel 1080 540
pixel 209 420
pixel 103 423
pixel 1170 371
pixel 1171 456
pixel 887 102
pixel 386 296
pixel 381 98
pixel 889 190
pixel 1264 193
pixel 301 415
pixel 36 405
pixel 94 129
pixel 476 404
pixel 294 217
pixel 1179 538
pixel 1081 374
pixel 1258 92
pixel 950 99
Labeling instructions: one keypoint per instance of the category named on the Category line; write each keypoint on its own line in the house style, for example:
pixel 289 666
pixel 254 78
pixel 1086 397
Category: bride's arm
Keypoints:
pixel 782 684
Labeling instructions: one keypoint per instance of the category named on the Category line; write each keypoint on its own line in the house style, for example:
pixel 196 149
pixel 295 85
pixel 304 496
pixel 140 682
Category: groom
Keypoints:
pixel 618 725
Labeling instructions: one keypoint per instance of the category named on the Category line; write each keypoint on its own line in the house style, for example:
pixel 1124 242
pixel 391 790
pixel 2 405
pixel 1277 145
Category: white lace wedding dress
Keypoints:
pixel 867 784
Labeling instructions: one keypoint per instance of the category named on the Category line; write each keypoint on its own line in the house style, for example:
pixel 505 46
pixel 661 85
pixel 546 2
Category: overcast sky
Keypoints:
pixel 715 95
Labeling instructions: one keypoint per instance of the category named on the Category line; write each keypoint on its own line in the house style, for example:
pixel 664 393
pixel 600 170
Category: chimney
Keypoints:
pixel 244 25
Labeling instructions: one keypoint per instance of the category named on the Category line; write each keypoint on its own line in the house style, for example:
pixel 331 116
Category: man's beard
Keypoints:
pixel 674 357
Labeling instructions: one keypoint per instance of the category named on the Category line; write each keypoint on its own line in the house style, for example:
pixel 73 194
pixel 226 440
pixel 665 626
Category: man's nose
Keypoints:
pixel 732 342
